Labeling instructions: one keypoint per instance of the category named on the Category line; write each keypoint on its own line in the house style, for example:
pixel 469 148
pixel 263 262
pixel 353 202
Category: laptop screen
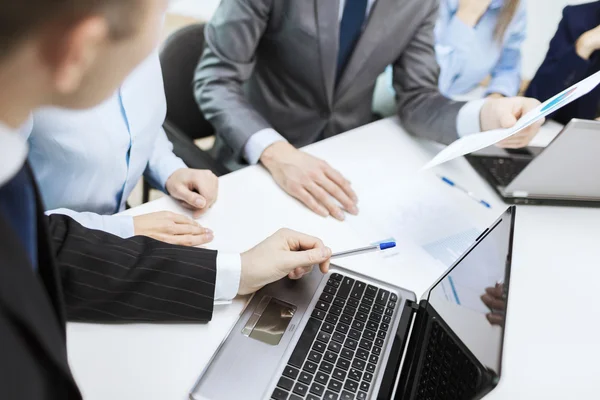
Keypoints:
pixel 471 298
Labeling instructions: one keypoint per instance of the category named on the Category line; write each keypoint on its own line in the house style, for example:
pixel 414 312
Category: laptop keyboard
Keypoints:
pixel 338 352
pixel 447 372
pixel 503 170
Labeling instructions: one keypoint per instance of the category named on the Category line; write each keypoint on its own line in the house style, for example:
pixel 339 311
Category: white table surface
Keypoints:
pixel 551 343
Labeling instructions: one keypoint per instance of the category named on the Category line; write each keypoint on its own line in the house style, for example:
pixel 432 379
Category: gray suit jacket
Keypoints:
pixel 272 64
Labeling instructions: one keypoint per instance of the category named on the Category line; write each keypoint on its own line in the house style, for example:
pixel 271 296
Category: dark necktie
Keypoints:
pixel 350 29
pixel 18 208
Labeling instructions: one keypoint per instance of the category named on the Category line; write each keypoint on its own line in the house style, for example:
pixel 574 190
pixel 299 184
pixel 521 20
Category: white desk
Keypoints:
pixel 551 345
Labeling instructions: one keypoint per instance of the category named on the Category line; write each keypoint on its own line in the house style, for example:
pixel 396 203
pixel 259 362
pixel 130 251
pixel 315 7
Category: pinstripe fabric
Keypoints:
pixel 90 276
pixel 108 279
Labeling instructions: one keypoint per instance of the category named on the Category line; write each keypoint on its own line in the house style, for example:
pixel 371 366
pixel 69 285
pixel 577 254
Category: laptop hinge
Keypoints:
pixel 397 354
pixel 413 344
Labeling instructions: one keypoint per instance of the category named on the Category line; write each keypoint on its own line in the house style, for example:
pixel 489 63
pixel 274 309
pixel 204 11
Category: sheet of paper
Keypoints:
pixel 472 143
pixel 419 212
pixel 430 222
pixel 447 250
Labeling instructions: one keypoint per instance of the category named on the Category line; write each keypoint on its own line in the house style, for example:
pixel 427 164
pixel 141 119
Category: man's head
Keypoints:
pixel 74 53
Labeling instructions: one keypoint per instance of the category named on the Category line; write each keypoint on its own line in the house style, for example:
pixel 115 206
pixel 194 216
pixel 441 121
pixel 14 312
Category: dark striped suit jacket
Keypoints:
pixel 90 276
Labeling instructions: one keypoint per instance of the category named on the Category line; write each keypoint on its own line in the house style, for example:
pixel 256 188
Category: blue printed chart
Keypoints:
pixel 558 100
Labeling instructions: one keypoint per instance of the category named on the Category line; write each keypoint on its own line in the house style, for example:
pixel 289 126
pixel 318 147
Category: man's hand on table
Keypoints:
pixel 172 228
pixel 286 253
pixel 310 180
pixel 502 113
pixel 195 189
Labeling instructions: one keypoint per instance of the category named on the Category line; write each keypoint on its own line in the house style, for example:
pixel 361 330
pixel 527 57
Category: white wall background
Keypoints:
pixel 201 9
pixel 544 16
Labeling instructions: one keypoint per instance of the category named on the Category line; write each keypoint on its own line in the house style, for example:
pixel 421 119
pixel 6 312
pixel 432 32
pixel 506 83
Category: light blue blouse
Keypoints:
pixel 468 55
pixel 88 162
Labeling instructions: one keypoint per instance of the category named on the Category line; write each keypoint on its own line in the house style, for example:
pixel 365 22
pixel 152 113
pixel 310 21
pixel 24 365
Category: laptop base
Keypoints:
pixel 561 174
pixel 474 160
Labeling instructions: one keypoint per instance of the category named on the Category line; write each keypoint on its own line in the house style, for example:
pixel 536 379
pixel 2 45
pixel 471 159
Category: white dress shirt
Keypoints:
pixel 467 120
pixel 13 153
pixel 87 162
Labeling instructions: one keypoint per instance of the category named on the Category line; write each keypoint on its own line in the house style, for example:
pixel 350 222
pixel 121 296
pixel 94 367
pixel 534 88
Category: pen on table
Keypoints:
pixel 465 191
pixel 362 250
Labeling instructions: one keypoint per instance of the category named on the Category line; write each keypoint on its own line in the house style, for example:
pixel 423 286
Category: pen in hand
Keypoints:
pixel 362 250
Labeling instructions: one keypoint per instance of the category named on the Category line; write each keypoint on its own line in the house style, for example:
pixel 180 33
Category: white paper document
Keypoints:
pixel 475 142
pixel 418 212
pixel 447 250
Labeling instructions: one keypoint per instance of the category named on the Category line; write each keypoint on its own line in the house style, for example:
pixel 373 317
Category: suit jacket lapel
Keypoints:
pixel 327 15
pixel 24 296
pixel 378 25
pixel 50 276
pixel 37 306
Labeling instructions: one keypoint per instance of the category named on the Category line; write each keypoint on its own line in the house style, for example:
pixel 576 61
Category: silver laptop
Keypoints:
pixel 347 336
pixel 564 173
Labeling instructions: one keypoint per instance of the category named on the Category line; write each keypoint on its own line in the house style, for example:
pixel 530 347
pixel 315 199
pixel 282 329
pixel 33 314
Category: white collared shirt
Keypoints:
pixel 13 154
pixel 87 162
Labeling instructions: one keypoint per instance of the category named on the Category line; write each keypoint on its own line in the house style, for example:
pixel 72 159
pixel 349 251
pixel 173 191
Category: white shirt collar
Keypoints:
pixel 13 152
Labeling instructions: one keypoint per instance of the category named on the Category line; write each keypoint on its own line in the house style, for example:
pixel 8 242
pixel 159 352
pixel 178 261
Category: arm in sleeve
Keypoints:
pixel 109 279
pixel 506 75
pixel 562 66
pixel 163 162
pixel 232 37
pixel 118 225
pixel 421 107
pixel 259 142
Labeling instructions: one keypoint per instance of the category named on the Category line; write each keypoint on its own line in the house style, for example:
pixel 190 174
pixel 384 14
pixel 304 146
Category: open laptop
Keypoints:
pixel 347 336
pixel 564 173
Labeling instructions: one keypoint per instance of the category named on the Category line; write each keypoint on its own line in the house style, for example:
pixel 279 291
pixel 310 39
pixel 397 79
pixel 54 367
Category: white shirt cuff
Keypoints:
pixel 259 142
pixel 229 271
pixel 167 166
pixel 469 118
pixel 118 225
pixel 125 225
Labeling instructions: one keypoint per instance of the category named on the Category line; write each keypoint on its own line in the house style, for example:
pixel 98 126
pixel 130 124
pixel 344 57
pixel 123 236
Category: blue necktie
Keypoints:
pixel 350 29
pixel 18 207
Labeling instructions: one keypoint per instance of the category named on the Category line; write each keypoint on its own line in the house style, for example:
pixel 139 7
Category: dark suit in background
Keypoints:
pixel 90 276
pixel 563 67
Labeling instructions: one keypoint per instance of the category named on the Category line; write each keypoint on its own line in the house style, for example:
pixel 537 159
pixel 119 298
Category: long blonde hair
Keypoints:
pixel 506 16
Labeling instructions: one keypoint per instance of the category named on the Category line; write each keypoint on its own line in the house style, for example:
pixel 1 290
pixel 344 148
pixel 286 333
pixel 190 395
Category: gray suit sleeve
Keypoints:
pixel 423 110
pixel 232 37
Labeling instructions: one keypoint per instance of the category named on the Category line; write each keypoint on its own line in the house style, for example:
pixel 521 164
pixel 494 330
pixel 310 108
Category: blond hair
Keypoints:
pixel 506 16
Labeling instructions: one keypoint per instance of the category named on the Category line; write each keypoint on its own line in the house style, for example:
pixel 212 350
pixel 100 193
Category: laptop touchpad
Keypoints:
pixel 269 321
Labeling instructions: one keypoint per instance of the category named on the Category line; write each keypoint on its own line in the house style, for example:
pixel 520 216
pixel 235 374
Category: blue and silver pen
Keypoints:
pixel 380 246
pixel 465 191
